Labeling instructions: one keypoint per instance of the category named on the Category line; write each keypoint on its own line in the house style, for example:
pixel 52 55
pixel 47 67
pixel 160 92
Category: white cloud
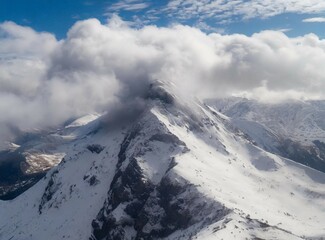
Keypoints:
pixel 44 82
pixel 313 20
pixel 245 9
pixel 20 40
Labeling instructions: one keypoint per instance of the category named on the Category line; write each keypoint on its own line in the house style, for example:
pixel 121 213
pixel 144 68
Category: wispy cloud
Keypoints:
pixel 284 30
pixel 242 9
pixel 213 15
pixel 313 20
pixel 208 28
pixel 128 5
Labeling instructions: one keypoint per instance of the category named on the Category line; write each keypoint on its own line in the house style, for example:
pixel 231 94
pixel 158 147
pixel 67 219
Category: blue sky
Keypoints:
pixel 242 16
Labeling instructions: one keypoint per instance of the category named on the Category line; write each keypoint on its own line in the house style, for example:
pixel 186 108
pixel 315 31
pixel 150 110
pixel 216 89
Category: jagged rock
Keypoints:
pixel 157 91
pixel 93 180
pixel 95 148
pixel 153 210
pixel 50 189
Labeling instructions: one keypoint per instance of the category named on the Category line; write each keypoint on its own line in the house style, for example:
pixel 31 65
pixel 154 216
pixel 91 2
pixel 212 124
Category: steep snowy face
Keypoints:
pixel 147 198
pixel 176 171
pixel 25 162
pixel 294 130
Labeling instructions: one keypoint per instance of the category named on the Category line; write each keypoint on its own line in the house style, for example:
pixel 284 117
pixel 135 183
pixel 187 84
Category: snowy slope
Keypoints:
pixel 176 171
pixel 301 121
pixel 293 129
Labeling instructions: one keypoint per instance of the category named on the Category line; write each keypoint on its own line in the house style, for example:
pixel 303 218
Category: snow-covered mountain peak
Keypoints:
pixel 176 171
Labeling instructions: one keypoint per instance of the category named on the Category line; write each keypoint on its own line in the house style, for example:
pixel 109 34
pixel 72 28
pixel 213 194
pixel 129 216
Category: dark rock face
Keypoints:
pixel 155 211
pixel 166 138
pixel 13 181
pixel 157 91
pixel 9 191
pixel 93 180
pixel 130 189
pixel 176 205
pixel 95 148
pixel 137 208
pixel 50 189
pixel 312 156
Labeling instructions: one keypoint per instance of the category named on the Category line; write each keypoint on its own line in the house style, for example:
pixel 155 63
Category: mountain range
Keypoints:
pixel 229 168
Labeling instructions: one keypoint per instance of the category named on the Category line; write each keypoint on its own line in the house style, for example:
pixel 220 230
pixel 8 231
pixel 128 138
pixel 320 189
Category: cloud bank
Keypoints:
pixel 44 81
